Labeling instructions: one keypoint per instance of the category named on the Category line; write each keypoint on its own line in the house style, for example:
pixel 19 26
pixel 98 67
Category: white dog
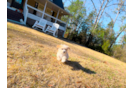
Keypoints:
pixel 62 54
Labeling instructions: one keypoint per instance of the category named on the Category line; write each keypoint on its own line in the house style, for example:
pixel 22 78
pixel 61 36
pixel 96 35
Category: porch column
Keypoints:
pixel 44 9
pixel 26 1
pixel 57 16
pixel 25 12
pixel 66 26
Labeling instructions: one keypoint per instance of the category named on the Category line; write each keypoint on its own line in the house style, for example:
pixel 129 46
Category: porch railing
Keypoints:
pixel 25 12
pixel 43 14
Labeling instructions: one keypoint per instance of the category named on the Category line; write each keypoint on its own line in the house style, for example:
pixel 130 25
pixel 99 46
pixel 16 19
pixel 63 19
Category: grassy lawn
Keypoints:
pixel 31 63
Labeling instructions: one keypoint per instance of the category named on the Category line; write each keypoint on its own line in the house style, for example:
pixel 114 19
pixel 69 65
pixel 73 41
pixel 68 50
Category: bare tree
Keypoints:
pixel 108 16
pixel 116 4
pixel 123 29
pixel 100 1
pixel 94 5
pixel 119 8
pixel 101 14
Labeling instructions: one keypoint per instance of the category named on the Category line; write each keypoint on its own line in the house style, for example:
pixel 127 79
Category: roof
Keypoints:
pixel 59 3
pixel 57 7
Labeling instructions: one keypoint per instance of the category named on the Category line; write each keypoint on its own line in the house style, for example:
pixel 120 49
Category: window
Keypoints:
pixel 18 1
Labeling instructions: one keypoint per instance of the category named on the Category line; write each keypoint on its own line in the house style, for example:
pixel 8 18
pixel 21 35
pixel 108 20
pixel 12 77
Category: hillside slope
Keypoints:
pixel 31 63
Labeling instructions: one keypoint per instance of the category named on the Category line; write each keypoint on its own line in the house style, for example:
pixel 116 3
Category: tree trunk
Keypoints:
pixel 94 5
pixel 118 12
pixel 115 39
pixel 101 14
pixel 114 23
pixel 89 40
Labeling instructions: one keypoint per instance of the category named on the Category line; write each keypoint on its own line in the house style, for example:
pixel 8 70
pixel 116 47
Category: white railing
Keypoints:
pixel 25 13
pixel 45 14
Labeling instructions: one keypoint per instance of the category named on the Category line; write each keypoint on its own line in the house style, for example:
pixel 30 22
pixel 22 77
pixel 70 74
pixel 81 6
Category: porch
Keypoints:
pixel 14 15
pixel 45 9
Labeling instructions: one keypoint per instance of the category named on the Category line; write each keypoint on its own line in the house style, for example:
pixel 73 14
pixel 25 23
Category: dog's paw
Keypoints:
pixel 63 60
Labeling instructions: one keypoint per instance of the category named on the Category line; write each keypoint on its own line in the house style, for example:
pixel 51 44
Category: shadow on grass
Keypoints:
pixel 77 66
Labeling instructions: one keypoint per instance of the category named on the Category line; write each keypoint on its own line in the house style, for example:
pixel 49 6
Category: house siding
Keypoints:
pixel 31 2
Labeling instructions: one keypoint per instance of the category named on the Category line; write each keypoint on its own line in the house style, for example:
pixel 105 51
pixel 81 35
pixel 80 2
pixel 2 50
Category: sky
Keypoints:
pixel 104 18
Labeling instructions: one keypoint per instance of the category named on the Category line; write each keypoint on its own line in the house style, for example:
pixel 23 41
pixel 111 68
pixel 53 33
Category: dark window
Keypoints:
pixel 36 6
pixel 18 1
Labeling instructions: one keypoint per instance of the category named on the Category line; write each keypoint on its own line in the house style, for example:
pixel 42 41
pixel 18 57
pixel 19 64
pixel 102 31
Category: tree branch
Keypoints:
pixel 116 4
pixel 108 16
pixel 94 5
pixel 100 1
pixel 101 13
pixel 118 12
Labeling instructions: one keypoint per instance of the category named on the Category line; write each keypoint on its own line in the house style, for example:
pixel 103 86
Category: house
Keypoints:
pixel 29 11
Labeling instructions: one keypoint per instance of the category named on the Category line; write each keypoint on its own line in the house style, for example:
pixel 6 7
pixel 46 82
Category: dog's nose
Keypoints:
pixel 63 51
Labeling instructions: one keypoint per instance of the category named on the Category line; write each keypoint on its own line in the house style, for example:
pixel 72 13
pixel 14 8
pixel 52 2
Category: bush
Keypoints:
pixel 119 52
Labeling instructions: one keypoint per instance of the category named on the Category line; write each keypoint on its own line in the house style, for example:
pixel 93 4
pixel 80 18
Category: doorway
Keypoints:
pixel 36 6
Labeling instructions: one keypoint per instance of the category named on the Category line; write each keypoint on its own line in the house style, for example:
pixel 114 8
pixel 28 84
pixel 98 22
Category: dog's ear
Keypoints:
pixel 68 47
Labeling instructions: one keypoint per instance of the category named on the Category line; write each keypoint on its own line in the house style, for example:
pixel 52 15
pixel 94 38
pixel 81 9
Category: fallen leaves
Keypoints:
pixel 35 53
pixel 84 84
pixel 41 46
pixel 87 86
pixel 27 87
pixel 54 57
pixel 43 57
pixel 50 85
pixel 9 56
pixel 79 81
pixel 105 62
pixel 93 67
pixel 24 43
pixel 91 60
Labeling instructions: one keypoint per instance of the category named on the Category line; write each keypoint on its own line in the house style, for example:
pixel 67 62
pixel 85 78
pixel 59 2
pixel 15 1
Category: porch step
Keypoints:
pixel 14 15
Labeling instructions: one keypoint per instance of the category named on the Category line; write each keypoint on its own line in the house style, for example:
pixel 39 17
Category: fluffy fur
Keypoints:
pixel 62 54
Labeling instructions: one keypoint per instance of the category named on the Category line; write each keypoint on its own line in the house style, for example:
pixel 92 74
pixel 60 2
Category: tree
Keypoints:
pixel 122 29
pixel 101 13
pixel 78 10
pixel 94 6
pixel 89 31
pixel 90 22
pixel 119 10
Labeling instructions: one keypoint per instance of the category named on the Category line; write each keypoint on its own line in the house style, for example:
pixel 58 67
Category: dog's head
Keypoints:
pixel 63 48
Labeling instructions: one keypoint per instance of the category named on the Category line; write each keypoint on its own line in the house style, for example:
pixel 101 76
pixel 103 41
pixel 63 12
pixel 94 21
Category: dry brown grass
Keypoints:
pixel 31 63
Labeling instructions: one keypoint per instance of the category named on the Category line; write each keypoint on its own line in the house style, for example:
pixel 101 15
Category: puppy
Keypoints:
pixel 62 54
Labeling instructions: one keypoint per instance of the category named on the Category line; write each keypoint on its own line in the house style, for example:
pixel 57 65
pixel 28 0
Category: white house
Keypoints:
pixel 33 10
